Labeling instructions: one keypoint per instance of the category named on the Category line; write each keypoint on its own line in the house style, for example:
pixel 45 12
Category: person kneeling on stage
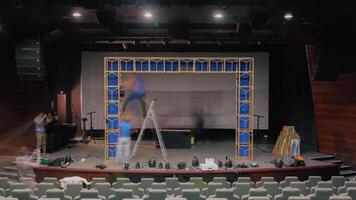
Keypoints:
pixel 123 146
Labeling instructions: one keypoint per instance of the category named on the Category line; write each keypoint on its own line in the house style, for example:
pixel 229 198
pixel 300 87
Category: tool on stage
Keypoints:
pixel 89 132
pixel 152 116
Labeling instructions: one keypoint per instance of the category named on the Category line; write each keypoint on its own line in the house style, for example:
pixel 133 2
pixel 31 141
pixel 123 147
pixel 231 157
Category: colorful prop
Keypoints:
pixel 283 146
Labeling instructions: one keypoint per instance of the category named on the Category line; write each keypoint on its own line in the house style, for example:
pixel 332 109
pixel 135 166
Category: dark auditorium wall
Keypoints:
pixel 19 101
pixel 335 110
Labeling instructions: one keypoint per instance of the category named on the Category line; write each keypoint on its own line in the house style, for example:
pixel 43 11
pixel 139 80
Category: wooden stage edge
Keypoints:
pixel 323 170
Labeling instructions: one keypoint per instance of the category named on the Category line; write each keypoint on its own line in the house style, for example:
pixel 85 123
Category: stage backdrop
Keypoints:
pixel 180 96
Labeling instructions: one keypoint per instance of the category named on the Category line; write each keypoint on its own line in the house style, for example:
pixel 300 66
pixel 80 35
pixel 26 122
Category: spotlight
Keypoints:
pixel 61 92
pixel 76 14
pixel 288 16
pixel 148 15
pixel 218 16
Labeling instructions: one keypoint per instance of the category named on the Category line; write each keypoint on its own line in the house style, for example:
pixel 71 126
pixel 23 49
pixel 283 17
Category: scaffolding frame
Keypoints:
pixel 242 67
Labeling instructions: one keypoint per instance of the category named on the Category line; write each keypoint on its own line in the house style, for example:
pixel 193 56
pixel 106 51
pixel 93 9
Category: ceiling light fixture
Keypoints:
pixel 148 15
pixel 218 16
pixel 288 16
pixel 76 14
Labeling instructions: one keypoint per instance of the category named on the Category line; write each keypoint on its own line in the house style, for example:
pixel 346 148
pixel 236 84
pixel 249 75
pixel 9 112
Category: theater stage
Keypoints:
pixel 87 156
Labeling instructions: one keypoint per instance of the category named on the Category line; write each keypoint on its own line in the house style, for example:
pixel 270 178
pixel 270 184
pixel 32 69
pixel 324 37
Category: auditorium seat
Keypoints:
pixel 175 198
pixel 182 186
pixel 160 186
pixel 321 184
pixel 13 186
pixel 146 183
pixel 198 181
pixel 89 194
pixel 225 193
pixel 287 181
pixel 263 180
pixel 321 194
pixel 286 193
pixel 2 192
pixel 23 194
pixel 8 198
pixel 301 186
pixel 222 180
pixel 216 199
pixel 57 193
pixel 45 198
pixel 120 194
pixel 348 184
pixel 312 181
pixel 351 192
pixel 156 194
pixel 337 181
pixel 51 180
pixel 96 180
pixel 191 194
pixel 73 189
pixel 172 182
pixel 272 188
pixel 299 198
pixel 135 189
pixel 241 189
pixel 258 198
pixel 42 189
pixel 29 182
pixel 120 182
pixel 243 180
pixel 4 183
pixel 256 192
pixel 104 189
pixel 340 198
pixel 211 189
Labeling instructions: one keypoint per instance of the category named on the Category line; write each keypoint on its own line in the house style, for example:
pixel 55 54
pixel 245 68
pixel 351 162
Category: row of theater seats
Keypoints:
pixel 196 189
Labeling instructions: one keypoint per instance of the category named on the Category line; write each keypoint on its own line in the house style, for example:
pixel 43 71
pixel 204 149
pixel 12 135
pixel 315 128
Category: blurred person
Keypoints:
pixel 25 161
pixel 123 146
pixel 135 87
pixel 40 127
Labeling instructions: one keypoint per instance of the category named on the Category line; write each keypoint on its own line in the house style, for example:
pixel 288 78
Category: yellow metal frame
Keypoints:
pixel 183 67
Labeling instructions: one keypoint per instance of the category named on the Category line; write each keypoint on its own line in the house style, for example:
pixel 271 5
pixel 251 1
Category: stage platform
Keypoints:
pixel 87 156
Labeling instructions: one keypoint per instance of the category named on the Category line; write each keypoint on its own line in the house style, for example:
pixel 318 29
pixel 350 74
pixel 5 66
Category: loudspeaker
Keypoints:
pixel 29 62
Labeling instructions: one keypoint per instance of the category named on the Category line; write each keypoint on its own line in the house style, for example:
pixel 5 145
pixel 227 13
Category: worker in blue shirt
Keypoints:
pixel 136 89
pixel 123 146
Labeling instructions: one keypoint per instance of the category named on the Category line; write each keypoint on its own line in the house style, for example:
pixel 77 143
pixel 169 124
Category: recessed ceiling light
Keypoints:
pixel 288 16
pixel 148 15
pixel 218 16
pixel 76 14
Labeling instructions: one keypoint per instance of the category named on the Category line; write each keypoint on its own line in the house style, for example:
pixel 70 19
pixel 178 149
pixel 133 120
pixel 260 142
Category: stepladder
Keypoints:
pixel 151 116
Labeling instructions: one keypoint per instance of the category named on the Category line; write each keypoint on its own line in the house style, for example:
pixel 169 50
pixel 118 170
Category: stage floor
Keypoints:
pixel 87 156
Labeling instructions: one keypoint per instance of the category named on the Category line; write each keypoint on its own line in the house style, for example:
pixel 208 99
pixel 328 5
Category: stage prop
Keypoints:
pixel 59 136
pixel 242 67
pixel 287 143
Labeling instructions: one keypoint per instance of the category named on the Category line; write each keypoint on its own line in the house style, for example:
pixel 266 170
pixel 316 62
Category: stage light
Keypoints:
pixel 288 16
pixel 61 92
pixel 218 16
pixel 76 14
pixel 148 15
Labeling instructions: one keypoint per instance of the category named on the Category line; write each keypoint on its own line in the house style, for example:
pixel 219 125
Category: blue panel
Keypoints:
pixel 113 123
pixel 127 65
pixel 112 138
pixel 113 65
pixel 172 66
pixel 216 66
pixel 113 79
pixel 157 66
pixel 112 152
pixel 245 80
pixel 244 122
pixel 201 66
pixel 244 66
pixel 112 93
pixel 244 94
pixel 142 66
pixel 244 137
pixel 244 151
pixel 186 65
pixel 244 108
pixel 113 109
pixel 231 66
